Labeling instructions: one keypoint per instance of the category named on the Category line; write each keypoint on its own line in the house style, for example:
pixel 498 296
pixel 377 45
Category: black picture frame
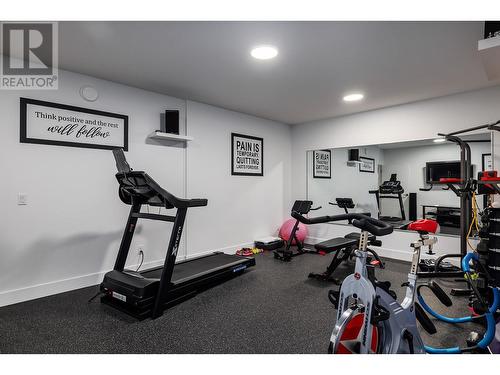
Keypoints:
pixel 261 140
pixel 483 160
pixel 372 170
pixel 23 138
pixel 330 165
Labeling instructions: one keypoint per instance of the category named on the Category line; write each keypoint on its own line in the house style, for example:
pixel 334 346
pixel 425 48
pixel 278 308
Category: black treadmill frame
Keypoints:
pixel 397 195
pixel 181 290
pixel 173 247
pixel 137 189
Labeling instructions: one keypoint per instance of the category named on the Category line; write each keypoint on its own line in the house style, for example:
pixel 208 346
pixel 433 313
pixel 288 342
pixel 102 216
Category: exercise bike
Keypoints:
pixel 369 318
pixel 286 254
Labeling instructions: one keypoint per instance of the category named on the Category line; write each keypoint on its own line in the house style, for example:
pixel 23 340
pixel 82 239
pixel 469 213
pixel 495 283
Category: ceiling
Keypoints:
pixel 318 62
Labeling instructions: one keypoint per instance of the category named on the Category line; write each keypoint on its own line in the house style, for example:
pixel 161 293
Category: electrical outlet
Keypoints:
pixel 22 199
pixel 140 250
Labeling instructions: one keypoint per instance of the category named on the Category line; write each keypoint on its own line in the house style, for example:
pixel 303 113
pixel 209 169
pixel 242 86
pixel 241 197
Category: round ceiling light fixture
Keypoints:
pixel 354 97
pixel 266 52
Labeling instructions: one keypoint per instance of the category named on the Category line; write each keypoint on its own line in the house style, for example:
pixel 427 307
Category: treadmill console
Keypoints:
pixel 392 186
pixel 121 162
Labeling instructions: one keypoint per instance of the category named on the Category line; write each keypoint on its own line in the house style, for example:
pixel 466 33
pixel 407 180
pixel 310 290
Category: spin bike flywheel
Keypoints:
pixel 349 334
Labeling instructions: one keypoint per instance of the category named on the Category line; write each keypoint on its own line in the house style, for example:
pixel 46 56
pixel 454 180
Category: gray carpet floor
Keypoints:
pixel 272 308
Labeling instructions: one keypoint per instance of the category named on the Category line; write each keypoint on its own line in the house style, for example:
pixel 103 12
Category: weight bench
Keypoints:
pixel 343 248
pixel 334 245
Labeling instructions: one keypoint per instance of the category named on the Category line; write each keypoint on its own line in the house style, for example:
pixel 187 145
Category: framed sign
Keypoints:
pixel 247 155
pixel 367 165
pixel 322 164
pixel 487 162
pixel 64 125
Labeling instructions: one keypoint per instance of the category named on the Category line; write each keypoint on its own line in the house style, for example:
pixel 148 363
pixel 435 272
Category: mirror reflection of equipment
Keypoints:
pixel 390 189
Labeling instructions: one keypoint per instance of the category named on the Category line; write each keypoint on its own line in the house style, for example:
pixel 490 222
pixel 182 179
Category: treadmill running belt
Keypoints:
pixel 192 268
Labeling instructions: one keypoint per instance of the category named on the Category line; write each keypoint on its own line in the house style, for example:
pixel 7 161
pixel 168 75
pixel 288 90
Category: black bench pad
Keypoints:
pixel 335 244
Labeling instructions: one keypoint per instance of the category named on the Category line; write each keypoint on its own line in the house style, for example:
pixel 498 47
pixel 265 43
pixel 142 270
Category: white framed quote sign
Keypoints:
pixel 247 155
pixel 63 125
pixel 322 164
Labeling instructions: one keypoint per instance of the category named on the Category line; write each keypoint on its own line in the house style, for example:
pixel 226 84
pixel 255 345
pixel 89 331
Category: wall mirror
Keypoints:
pixel 395 182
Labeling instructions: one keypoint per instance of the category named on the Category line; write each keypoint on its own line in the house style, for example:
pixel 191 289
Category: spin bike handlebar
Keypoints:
pixel 363 222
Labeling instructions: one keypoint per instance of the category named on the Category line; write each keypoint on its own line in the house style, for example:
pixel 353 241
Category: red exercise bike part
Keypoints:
pixel 351 336
pixel 450 180
pixel 424 225
pixel 488 175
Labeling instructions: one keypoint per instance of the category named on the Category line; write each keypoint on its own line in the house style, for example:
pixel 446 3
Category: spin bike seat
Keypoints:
pixel 424 226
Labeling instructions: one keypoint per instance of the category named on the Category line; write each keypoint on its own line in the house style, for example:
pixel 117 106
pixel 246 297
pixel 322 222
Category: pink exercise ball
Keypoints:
pixel 286 230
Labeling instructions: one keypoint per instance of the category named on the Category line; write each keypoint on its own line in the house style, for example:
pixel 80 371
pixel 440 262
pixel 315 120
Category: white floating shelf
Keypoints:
pixel 489 50
pixel 169 136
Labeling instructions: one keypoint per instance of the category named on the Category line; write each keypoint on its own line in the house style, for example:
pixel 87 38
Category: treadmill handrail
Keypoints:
pixel 169 197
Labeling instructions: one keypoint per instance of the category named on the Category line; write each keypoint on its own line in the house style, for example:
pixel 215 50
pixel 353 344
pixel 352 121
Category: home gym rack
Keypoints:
pixel 463 187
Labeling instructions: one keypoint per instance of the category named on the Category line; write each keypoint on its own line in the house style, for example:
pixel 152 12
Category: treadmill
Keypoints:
pixel 149 292
pixel 391 189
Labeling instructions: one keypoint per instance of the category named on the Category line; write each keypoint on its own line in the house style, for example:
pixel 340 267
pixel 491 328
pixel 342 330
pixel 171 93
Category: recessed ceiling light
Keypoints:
pixel 439 140
pixel 353 97
pixel 264 52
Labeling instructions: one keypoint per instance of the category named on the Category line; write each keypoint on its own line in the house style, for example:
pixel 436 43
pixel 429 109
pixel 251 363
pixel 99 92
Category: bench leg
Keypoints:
pixel 336 261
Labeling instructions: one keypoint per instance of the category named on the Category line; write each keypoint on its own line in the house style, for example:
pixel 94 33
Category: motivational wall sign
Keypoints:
pixel 64 125
pixel 247 155
pixel 487 164
pixel 322 164
pixel 367 164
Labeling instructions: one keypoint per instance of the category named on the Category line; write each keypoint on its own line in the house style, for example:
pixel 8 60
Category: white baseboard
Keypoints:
pixel 227 250
pixel 13 296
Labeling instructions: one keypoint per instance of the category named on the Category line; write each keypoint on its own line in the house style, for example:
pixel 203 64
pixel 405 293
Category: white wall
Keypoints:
pixel 68 234
pixel 413 121
pixel 241 208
